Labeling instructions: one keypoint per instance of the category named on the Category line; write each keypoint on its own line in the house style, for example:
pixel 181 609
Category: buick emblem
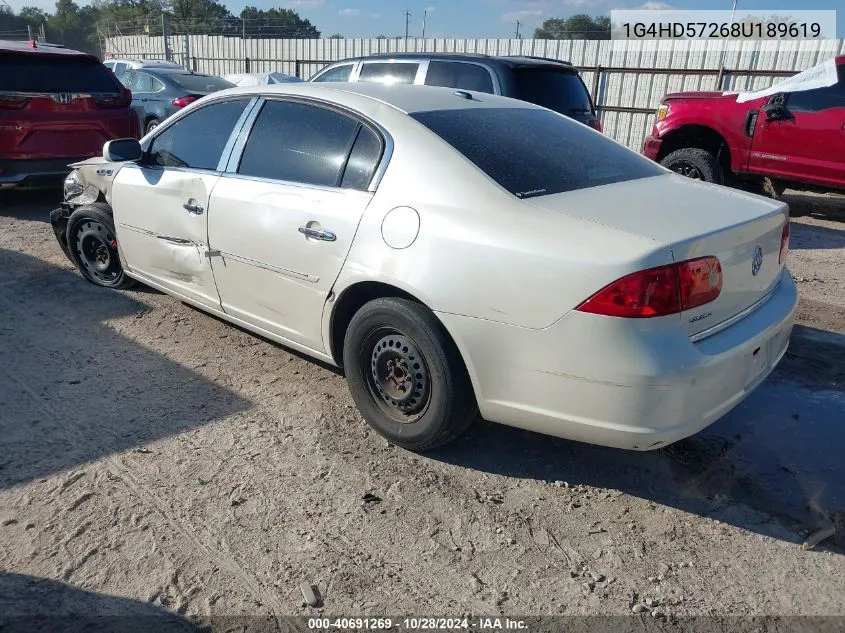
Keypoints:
pixel 757 261
pixel 63 97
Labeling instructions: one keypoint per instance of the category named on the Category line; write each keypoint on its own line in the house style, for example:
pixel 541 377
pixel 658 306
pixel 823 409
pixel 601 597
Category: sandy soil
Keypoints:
pixel 157 460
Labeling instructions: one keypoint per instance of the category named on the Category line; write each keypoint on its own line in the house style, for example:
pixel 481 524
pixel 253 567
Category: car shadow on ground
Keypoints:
pixel 814 237
pixel 29 605
pixel 772 466
pixel 822 207
pixel 72 389
pixel 30 204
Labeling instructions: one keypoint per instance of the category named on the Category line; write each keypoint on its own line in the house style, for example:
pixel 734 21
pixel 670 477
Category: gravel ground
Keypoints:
pixel 157 459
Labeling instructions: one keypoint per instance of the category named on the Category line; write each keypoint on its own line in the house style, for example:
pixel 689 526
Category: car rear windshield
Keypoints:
pixel 199 83
pixel 558 90
pixel 28 72
pixel 532 152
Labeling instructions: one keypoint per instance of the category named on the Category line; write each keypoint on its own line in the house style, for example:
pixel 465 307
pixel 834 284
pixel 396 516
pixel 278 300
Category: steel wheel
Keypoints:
pixel 398 378
pixel 96 248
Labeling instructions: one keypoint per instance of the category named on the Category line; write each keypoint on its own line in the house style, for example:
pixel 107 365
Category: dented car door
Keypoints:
pixel 161 204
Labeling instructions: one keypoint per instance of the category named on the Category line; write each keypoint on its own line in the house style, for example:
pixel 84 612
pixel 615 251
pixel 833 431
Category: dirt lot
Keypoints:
pixel 155 458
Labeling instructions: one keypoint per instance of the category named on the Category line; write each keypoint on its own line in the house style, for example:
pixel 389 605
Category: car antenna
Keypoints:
pixel 463 93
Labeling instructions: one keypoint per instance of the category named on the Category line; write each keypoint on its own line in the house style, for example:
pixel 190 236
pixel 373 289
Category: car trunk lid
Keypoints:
pixel 694 220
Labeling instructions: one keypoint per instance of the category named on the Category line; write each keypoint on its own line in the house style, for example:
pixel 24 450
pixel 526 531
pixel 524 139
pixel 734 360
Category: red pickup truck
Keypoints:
pixel 789 136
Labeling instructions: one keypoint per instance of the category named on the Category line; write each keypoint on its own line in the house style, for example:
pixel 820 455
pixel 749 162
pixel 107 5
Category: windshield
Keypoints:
pixel 561 91
pixel 54 73
pixel 199 83
pixel 532 152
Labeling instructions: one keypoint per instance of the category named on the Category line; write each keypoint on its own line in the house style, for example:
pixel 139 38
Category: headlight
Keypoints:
pixel 73 186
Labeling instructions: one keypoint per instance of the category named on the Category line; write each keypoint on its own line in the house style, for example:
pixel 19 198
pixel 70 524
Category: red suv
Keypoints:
pixel 57 106
pixel 791 135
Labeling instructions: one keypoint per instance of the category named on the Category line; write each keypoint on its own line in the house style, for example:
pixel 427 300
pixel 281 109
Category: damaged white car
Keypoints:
pixel 458 254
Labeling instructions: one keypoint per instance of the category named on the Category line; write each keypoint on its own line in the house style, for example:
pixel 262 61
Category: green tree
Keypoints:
pixel 337 36
pixel 576 27
pixel 278 23
pixel 33 16
pixel 73 26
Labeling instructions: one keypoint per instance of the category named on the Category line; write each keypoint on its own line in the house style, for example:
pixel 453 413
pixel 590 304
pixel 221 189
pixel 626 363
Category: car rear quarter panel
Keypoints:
pixel 481 252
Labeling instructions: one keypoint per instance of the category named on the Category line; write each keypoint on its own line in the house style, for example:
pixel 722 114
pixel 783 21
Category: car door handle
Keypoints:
pixel 318 234
pixel 196 209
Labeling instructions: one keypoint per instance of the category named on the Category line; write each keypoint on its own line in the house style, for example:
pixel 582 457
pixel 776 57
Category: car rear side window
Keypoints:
pixel 388 73
pixel 197 140
pixel 298 142
pixel 141 82
pixel 558 90
pixel 363 160
pixel 459 75
pixel 45 73
pixel 340 73
pixel 532 152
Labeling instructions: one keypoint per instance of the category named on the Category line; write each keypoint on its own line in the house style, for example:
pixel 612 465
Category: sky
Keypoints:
pixel 474 18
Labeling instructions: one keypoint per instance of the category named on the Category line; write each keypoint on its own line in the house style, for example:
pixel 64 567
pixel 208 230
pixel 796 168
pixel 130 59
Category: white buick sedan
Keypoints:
pixel 457 254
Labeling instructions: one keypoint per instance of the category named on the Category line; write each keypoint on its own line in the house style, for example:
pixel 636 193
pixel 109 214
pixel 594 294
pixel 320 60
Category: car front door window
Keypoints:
pixel 337 74
pixel 197 140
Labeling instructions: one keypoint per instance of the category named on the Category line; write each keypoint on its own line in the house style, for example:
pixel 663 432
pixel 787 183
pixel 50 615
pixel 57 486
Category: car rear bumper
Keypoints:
pixel 618 382
pixel 28 171
pixel 651 147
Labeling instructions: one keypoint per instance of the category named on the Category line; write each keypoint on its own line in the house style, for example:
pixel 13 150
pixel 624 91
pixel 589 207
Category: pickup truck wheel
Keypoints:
pixel 92 242
pixel 406 376
pixel 695 163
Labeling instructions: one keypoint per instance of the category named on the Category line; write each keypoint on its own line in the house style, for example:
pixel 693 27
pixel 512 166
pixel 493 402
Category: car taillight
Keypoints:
pixel 181 102
pixel 121 100
pixel 659 291
pixel 784 243
pixel 595 124
pixel 12 103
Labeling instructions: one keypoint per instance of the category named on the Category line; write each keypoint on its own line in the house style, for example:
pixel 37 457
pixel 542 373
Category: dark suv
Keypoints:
pixel 546 82
pixel 57 106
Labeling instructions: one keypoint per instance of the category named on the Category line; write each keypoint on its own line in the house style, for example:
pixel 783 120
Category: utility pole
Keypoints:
pixel 407 24
pixel 425 16
pixel 518 24
pixel 164 35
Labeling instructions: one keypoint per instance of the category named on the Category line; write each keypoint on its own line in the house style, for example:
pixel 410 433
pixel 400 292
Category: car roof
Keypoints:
pixel 366 97
pixel 513 61
pixel 164 71
pixel 31 47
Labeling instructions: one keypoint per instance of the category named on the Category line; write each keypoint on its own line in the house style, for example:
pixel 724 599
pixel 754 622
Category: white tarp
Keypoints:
pixel 819 76
pixel 260 79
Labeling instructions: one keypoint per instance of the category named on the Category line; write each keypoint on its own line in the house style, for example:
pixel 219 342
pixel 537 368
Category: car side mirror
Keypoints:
pixel 122 150
pixel 775 109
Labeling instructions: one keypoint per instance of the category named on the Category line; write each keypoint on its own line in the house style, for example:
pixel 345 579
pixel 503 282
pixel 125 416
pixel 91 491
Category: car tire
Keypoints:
pixel 151 125
pixel 695 163
pixel 406 375
pixel 92 243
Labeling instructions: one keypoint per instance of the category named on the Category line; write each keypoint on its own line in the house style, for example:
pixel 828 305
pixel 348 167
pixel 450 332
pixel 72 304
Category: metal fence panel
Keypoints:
pixel 619 74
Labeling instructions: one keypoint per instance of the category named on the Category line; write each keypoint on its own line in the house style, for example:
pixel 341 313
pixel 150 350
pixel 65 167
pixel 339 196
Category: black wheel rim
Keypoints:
pixel 396 374
pixel 687 169
pixel 96 249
